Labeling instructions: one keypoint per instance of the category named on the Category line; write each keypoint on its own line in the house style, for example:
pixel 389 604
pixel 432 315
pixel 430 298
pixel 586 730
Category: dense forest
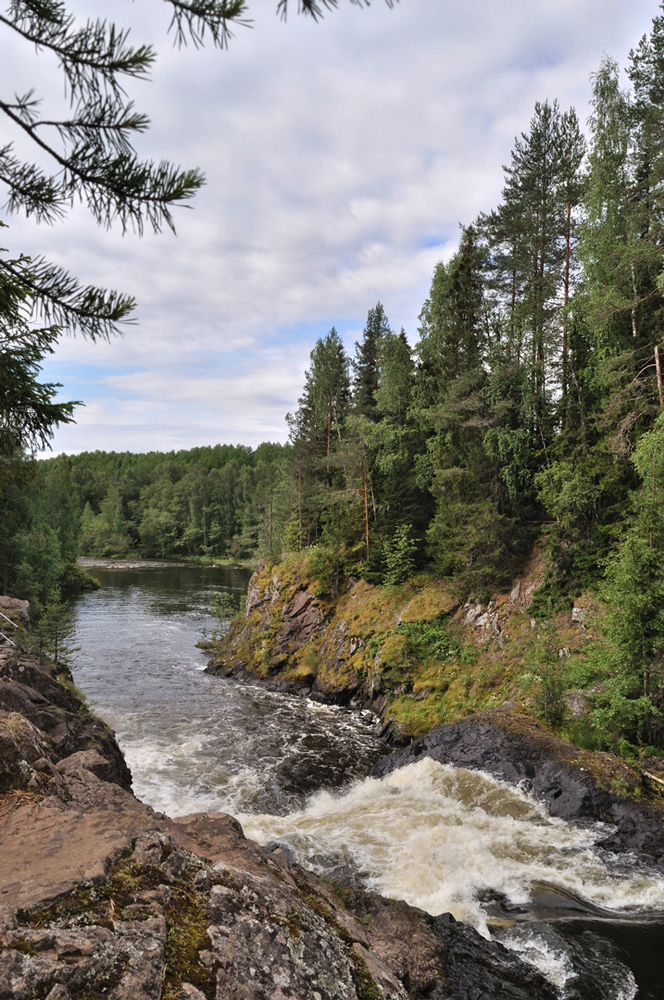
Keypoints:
pixel 529 410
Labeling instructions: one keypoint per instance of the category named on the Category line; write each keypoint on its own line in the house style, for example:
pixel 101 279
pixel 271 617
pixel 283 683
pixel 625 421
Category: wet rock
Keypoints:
pixel 477 968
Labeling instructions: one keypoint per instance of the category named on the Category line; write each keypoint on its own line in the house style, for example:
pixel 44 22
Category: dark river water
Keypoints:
pixel 442 838
pixel 195 742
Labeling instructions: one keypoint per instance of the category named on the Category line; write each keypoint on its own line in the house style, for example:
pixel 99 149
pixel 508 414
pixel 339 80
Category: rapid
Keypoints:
pixel 295 772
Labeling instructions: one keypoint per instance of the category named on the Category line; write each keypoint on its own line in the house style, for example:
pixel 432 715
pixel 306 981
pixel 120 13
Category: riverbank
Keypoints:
pixel 102 897
pixel 421 654
pixel 418 655
pixel 133 561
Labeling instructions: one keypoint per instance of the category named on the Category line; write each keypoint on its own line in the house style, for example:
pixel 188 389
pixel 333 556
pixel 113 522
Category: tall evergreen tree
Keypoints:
pixel 454 322
pixel 366 363
pixel 572 154
pixel 315 429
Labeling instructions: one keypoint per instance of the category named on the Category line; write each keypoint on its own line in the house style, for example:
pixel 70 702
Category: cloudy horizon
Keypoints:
pixel 341 158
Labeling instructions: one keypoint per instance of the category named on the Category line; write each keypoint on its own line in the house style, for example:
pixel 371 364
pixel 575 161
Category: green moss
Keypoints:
pixel 101 903
pixel 96 903
pixel 21 944
pixel 294 921
pixel 187 936
pixel 417 717
pixel 365 985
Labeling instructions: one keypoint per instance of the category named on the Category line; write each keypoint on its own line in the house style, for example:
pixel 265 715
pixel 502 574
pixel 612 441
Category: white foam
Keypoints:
pixel 438 836
pixel 554 963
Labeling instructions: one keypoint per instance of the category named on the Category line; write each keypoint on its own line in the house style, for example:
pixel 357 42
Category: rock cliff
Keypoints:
pixel 101 897
pixel 417 654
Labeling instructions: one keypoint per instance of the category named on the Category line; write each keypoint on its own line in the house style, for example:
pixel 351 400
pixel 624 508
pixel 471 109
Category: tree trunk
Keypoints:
pixel 365 473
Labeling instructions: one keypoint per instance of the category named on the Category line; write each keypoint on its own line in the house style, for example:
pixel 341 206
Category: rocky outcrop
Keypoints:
pixel 14 609
pixel 101 897
pixel 36 692
pixel 575 784
pixel 283 620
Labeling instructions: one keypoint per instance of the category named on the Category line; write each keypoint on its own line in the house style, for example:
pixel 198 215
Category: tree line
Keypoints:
pixel 529 409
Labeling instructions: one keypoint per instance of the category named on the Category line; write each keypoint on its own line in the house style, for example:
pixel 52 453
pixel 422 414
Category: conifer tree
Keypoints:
pixel 316 427
pixel 55 628
pixel 454 322
pixel 395 381
pixel 366 363
pixel 611 248
pixel 572 154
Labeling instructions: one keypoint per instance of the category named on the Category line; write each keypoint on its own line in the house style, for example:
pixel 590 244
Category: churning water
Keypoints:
pixel 442 838
pixel 450 840
pixel 195 742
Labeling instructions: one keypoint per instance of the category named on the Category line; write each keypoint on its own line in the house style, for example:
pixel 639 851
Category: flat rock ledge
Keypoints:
pixel 576 785
pixel 101 897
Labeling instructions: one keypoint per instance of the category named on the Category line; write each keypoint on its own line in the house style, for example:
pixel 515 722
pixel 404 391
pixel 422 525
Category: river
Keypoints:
pixel 442 838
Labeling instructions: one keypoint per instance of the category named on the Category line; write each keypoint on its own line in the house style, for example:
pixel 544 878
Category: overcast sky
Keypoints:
pixel 340 159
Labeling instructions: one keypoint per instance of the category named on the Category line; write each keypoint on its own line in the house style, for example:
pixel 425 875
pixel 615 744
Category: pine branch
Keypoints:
pixel 60 301
pixel 29 188
pixel 106 115
pixel 114 185
pixel 193 18
pixel 91 57
pixel 316 8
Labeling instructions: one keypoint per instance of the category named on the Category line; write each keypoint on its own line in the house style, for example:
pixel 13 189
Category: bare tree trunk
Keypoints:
pixel 365 474
pixel 566 281
pixel 634 298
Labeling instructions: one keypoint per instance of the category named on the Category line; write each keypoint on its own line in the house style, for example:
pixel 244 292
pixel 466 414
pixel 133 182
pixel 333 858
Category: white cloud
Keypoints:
pixel 340 159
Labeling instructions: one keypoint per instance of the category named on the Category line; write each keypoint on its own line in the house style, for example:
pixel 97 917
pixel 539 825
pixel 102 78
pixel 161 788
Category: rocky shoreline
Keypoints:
pixel 101 897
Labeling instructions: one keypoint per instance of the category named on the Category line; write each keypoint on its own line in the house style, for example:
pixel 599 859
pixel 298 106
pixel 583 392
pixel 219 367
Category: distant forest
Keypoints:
pixel 530 408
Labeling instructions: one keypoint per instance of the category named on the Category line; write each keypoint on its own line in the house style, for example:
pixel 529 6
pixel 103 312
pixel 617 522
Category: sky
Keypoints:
pixel 341 158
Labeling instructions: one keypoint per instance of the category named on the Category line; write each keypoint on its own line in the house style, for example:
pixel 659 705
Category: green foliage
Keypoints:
pixel 55 628
pixel 226 607
pixel 400 553
pixel 430 639
pixel 548 675
pixel 631 704
pixel 366 364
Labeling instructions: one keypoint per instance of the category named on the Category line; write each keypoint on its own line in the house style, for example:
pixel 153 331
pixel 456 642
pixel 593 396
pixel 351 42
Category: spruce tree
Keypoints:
pixel 316 430
pixel 366 363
